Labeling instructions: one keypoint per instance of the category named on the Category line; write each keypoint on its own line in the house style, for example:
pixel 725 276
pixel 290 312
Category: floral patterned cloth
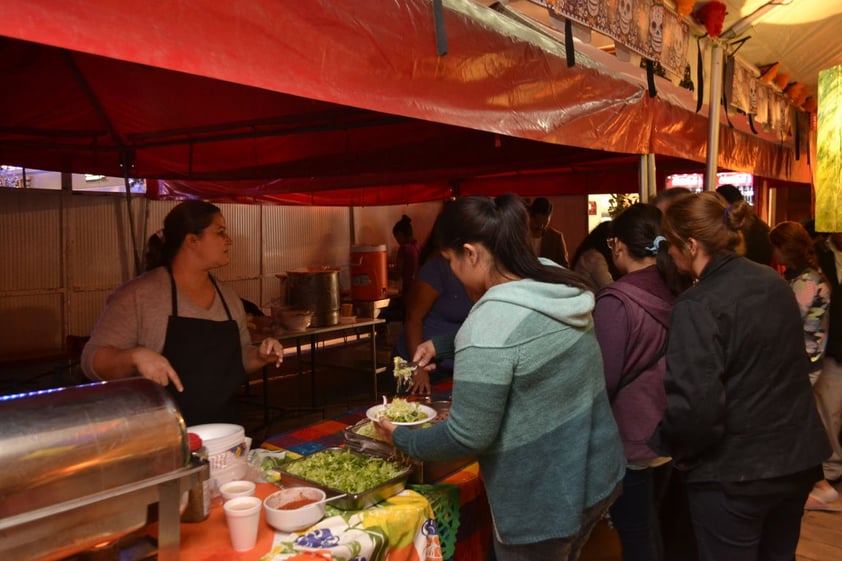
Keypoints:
pixel 813 295
pixel 401 528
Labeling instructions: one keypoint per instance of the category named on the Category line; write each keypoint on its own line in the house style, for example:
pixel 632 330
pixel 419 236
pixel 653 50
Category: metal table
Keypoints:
pixel 311 338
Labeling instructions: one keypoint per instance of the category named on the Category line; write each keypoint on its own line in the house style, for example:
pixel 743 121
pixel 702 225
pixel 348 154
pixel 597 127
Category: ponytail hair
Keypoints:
pixel 501 225
pixel 403 226
pixel 710 220
pixel 188 217
pixel 639 227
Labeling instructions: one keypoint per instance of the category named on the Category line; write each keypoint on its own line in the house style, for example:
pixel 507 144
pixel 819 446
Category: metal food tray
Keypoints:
pixel 359 443
pixel 353 501
pixel 424 471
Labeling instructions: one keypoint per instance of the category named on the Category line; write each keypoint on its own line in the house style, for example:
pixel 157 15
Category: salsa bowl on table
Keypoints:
pixel 294 508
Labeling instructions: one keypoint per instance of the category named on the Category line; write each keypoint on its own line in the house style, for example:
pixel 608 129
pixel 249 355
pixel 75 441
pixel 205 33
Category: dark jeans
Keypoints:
pixel 562 549
pixel 635 513
pixel 746 527
pixel 676 526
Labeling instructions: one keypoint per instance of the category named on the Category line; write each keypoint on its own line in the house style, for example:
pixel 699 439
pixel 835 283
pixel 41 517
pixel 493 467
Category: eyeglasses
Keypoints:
pixel 610 243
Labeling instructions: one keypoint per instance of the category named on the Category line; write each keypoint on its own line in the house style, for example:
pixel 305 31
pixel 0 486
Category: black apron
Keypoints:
pixel 208 358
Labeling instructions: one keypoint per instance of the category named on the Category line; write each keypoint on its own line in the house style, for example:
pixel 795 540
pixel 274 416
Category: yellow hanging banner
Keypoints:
pixel 828 179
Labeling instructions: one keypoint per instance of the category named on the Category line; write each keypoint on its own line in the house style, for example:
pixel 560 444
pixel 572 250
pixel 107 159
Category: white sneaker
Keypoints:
pixel 825 494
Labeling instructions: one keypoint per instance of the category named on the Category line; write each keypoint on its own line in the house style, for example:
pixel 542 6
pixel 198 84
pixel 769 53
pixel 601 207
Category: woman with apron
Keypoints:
pixel 177 326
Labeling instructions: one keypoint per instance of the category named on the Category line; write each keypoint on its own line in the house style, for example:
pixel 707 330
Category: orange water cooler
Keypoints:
pixel 368 272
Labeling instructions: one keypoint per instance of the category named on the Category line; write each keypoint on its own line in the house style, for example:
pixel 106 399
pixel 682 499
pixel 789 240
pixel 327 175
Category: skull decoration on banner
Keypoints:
pixel 624 13
pixel 656 27
pixel 593 8
pixel 646 27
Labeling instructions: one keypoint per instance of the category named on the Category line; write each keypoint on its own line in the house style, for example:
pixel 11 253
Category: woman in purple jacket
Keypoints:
pixel 631 320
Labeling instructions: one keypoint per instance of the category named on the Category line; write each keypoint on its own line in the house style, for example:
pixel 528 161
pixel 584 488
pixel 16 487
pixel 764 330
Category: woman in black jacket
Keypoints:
pixel 741 418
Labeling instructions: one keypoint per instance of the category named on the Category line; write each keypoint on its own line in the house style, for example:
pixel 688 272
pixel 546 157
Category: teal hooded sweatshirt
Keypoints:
pixel 529 402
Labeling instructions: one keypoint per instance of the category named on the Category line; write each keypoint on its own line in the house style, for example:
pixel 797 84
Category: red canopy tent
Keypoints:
pixel 327 102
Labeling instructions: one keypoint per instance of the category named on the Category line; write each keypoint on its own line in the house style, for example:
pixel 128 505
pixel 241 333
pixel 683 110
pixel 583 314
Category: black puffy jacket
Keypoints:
pixel 739 403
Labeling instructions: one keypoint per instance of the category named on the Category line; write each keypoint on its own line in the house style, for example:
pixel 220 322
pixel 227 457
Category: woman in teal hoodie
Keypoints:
pixel 529 395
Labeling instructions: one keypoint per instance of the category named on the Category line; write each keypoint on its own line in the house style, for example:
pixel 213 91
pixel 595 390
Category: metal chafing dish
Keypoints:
pixel 80 467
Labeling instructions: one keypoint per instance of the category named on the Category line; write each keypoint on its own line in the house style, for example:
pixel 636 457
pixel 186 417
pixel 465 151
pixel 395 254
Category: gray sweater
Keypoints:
pixel 136 314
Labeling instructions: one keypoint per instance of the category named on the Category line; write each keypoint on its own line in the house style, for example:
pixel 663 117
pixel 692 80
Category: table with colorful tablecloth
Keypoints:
pixel 458 500
pixel 448 519
pixel 401 528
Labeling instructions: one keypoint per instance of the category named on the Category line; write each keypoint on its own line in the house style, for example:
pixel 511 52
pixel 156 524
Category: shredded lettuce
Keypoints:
pixel 403 373
pixel 403 411
pixel 344 470
pixel 368 430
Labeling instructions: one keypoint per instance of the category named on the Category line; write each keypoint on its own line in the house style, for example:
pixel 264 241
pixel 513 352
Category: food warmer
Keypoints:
pixel 83 467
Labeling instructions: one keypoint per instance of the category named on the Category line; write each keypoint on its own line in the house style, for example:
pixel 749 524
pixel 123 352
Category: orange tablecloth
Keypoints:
pixel 209 541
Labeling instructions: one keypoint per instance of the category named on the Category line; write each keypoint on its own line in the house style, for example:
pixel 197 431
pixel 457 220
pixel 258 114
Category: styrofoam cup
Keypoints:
pixel 236 488
pixel 243 517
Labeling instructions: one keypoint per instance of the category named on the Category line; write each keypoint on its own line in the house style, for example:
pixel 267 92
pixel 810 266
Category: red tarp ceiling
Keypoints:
pixel 315 101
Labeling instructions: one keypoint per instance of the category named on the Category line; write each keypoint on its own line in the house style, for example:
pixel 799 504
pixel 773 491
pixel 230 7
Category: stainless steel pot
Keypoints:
pixel 315 289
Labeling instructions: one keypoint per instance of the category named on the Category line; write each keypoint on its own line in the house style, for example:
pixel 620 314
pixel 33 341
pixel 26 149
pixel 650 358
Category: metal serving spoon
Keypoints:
pixel 328 499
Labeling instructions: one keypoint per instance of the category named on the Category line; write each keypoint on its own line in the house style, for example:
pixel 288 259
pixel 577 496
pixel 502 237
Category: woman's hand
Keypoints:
pixel 271 350
pixel 385 428
pixel 424 355
pixel 420 383
pixel 155 367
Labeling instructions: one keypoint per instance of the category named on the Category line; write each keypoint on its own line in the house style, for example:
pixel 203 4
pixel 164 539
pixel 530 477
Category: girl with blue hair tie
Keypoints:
pixel 631 319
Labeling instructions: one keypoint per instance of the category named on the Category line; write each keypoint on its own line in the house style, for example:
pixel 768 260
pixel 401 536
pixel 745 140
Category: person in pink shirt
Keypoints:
pixel 406 262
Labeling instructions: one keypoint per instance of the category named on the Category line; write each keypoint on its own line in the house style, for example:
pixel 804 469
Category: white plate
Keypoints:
pixel 374 411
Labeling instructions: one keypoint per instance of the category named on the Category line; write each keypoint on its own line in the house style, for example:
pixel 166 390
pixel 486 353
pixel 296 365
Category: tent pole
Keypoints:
pixel 653 178
pixel 643 178
pixel 713 116
pixel 646 177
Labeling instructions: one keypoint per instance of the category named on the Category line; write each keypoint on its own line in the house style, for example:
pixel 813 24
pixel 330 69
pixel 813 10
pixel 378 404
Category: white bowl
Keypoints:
pixel 237 488
pixel 294 519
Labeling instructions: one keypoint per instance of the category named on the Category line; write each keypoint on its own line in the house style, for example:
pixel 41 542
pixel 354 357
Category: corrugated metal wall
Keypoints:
pixel 99 253
pixel 296 237
pixel 30 239
pixel 64 254
pixel 32 275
